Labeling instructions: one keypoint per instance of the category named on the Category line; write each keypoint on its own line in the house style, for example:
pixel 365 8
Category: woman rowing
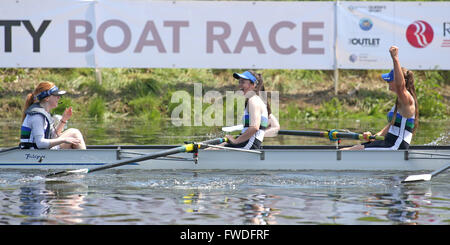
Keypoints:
pixel 403 118
pixel 256 112
pixel 38 129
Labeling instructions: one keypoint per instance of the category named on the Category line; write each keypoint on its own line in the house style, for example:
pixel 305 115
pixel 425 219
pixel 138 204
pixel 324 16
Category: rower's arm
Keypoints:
pixel 399 80
pixel 274 127
pixel 255 112
pixel 255 121
pixel 37 125
pixel 59 128
pixel 384 131
pixel 246 135
pixel 38 131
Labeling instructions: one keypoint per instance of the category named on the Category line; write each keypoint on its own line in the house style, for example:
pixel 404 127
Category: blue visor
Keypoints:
pixel 388 77
pixel 246 75
pixel 53 91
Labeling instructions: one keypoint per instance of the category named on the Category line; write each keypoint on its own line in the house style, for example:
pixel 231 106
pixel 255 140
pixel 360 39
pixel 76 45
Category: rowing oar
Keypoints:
pixel 9 149
pixel 191 147
pixel 332 134
pixel 425 177
pixel 233 128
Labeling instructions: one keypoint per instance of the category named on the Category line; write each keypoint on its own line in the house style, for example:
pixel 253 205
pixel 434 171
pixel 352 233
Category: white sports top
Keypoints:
pixel 38 124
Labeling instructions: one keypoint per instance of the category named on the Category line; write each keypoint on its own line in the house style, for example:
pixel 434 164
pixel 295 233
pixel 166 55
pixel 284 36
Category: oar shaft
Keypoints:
pixel 143 158
pixel 332 135
pixel 179 149
pixel 232 149
pixel 304 133
pixel 190 147
pixel 9 149
pixel 438 171
pixel 214 141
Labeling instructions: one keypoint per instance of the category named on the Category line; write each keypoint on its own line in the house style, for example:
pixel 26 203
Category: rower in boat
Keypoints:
pixel 39 130
pixel 256 112
pixel 403 118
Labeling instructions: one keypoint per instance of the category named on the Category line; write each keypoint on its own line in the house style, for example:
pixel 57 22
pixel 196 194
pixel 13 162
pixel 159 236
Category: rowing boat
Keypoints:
pixel 268 158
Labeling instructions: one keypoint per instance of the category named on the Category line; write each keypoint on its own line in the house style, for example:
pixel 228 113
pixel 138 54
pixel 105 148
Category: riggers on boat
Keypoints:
pixel 268 158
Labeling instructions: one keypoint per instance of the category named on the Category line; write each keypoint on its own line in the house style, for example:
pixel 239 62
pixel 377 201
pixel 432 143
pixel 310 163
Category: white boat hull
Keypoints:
pixel 273 158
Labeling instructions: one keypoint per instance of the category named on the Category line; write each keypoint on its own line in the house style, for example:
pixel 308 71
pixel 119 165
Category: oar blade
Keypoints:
pixel 232 128
pixel 417 178
pixel 425 177
pixel 67 173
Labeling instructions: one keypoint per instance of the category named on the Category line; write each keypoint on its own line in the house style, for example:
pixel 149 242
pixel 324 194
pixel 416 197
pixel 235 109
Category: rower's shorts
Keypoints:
pixel 387 144
pixel 254 145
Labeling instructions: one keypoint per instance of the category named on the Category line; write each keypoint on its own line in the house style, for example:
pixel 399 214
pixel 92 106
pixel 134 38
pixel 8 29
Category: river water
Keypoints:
pixel 119 197
pixel 127 197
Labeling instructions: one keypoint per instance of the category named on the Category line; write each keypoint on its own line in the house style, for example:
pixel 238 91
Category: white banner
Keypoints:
pixel 223 34
pixel 127 33
pixel 366 30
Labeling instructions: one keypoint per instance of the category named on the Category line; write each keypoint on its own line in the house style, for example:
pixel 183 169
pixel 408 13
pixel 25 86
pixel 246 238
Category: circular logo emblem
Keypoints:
pixel 419 34
pixel 353 58
pixel 365 24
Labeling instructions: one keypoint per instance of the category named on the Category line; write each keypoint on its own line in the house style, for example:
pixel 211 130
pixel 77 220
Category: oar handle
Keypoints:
pixel 344 135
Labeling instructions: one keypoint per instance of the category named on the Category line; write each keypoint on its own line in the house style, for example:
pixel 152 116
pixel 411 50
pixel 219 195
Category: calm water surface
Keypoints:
pixel 125 197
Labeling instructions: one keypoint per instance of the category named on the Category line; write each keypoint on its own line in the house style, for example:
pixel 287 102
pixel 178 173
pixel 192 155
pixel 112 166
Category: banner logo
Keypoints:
pixel 446 42
pixel 419 34
pixel 365 24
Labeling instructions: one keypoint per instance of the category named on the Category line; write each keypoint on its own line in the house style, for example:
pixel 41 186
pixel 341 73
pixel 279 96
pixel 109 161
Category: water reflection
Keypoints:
pixel 193 201
pixel 257 210
pixel 34 203
pixel 52 203
pixel 404 203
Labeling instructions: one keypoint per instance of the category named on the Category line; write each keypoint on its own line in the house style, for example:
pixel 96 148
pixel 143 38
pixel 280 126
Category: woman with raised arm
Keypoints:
pixel 403 118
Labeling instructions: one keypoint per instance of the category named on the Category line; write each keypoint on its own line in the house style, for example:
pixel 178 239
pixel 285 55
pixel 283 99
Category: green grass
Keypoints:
pixel 96 108
pixel 146 93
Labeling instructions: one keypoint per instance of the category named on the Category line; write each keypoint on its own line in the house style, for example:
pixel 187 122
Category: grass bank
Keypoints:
pixel 146 93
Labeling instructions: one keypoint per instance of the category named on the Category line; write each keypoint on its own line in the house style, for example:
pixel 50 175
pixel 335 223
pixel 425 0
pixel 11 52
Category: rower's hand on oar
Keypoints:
pixel 366 136
pixel 231 139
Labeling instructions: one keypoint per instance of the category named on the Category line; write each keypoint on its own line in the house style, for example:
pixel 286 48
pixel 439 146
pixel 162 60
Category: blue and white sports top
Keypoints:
pixel 36 129
pixel 259 135
pixel 402 127
pixel 399 135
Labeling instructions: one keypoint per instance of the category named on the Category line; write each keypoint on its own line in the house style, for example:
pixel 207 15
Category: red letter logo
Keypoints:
pixel 419 34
